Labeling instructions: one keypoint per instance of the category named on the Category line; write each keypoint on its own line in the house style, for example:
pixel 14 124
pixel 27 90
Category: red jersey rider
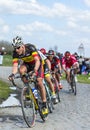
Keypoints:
pixel 69 61
pixel 55 65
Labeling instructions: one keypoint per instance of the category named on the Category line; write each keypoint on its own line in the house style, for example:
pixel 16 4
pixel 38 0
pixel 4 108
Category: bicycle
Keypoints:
pixel 31 102
pixel 73 81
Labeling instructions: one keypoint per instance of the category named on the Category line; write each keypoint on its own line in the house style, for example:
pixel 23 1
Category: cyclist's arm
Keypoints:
pixel 64 68
pixel 63 64
pixel 48 63
pixel 59 66
pixel 15 68
pixel 14 71
pixel 75 65
pixel 37 64
pixel 15 63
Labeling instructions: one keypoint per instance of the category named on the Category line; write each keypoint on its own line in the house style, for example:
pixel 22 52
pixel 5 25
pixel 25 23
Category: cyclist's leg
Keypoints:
pixel 41 87
pixel 76 66
pixel 68 75
pixel 23 69
pixel 51 86
pixel 43 95
pixel 56 87
pixel 58 79
pixel 48 79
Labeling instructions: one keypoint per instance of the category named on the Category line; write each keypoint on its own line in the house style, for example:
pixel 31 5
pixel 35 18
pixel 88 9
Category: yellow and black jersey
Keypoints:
pixel 28 57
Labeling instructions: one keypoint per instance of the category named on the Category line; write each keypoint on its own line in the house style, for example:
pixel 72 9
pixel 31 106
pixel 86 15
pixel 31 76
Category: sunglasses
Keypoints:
pixel 17 47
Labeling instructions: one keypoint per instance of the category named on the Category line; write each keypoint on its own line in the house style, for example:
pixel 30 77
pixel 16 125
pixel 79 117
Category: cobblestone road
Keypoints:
pixel 72 113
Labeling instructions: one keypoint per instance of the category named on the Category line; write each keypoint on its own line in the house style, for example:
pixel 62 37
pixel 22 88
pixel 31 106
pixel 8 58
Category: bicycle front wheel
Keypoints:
pixel 28 108
pixel 73 86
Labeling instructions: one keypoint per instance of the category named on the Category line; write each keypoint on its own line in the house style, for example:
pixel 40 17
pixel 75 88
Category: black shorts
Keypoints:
pixel 31 68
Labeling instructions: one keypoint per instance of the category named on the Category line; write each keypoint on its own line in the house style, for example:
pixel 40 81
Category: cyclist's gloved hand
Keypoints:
pixel 11 77
pixel 34 74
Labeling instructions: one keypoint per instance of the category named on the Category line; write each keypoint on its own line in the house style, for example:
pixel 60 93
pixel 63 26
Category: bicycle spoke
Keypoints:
pixel 28 108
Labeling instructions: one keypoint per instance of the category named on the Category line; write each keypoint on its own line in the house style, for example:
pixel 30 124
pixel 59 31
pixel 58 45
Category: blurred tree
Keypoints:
pixel 7 46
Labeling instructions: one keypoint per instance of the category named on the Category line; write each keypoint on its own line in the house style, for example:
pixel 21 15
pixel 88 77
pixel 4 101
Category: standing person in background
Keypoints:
pixel 81 61
pixel 1 55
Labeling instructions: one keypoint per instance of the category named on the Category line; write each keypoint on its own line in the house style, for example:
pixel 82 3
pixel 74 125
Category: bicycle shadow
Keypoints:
pixel 14 120
pixel 18 120
pixel 67 91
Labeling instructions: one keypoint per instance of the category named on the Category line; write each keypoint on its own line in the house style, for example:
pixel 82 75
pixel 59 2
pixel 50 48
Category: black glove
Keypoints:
pixel 11 77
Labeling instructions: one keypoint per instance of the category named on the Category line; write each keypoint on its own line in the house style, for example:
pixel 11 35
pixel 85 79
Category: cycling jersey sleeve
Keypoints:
pixel 57 60
pixel 73 59
pixel 42 56
pixel 15 57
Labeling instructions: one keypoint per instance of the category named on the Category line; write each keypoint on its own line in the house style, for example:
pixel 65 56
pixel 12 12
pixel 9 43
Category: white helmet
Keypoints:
pixel 17 41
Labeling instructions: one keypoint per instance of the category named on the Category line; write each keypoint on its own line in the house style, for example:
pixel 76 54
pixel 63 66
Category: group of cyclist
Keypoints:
pixel 42 64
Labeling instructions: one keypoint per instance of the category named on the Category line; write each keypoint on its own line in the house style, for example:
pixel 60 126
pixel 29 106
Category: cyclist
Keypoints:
pixel 55 66
pixel 47 75
pixel 69 61
pixel 31 62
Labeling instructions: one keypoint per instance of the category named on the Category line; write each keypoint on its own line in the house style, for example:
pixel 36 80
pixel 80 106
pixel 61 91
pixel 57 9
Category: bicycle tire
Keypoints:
pixel 28 108
pixel 73 85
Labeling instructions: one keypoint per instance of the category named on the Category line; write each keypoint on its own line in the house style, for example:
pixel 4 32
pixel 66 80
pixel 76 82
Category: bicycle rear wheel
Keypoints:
pixel 28 108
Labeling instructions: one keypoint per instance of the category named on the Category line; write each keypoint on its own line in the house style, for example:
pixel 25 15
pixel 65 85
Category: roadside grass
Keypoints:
pixel 81 78
pixel 7 60
pixel 4 90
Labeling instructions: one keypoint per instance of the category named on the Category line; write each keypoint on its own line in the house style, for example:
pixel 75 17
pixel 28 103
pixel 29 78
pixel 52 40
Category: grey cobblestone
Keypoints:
pixel 72 113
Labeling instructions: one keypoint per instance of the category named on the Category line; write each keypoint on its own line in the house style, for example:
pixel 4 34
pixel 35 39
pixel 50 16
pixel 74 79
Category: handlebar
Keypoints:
pixel 15 77
pixel 28 77
pixel 74 68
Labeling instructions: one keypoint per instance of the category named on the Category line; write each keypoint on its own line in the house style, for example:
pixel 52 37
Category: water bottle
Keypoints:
pixel 34 90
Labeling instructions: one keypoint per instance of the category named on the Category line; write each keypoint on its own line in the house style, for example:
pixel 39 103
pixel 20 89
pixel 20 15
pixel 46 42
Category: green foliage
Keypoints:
pixel 7 46
pixel 81 78
pixel 7 60
pixel 4 90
